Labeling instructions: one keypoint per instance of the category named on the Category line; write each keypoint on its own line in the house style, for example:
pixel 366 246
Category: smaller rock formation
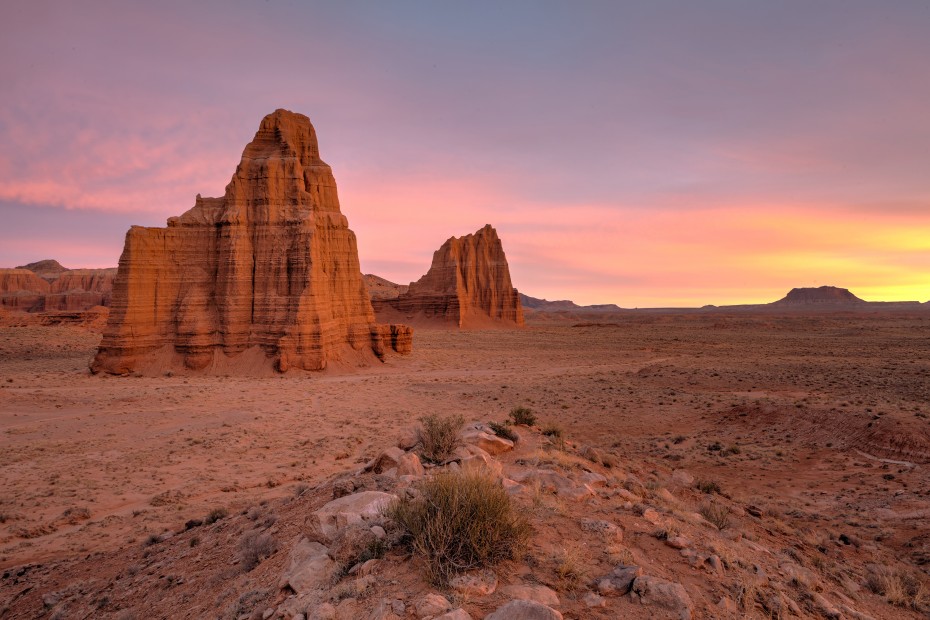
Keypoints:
pixel 379 288
pixel 21 289
pixel 468 286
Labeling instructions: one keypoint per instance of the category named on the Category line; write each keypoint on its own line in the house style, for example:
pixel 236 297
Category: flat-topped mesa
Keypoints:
pixel 271 268
pixel 830 295
pixel 468 285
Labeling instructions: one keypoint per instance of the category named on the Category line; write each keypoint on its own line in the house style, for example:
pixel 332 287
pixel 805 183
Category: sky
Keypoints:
pixel 649 154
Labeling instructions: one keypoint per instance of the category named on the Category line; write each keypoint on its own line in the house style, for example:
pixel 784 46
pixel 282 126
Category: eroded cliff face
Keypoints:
pixel 468 285
pixel 270 267
pixel 21 289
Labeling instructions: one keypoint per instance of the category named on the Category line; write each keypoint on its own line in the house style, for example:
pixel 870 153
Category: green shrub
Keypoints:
pixel 439 437
pixel 503 430
pixel 523 415
pixel 461 521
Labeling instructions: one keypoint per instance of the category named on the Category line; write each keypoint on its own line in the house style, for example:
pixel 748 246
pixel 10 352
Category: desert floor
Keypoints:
pixel 823 420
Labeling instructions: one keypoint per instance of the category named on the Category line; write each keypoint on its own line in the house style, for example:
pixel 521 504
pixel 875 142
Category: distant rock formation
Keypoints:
pixel 47 286
pixel 48 268
pixel 468 285
pixel 265 276
pixel 543 305
pixel 21 289
pixel 816 296
pixel 379 288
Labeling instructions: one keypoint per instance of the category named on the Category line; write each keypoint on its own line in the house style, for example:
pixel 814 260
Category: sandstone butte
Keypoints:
pixel 266 276
pixel 47 286
pixel 468 286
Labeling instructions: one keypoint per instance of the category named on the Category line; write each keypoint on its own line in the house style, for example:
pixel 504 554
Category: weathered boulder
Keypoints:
pixel 271 267
pixel 309 567
pixel 431 604
pixel 356 508
pixel 467 285
pixel 619 581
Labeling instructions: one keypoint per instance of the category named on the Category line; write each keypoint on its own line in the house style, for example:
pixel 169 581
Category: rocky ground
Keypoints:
pixel 749 466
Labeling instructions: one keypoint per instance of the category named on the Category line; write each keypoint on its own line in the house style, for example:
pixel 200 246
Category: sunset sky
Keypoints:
pixel 640 153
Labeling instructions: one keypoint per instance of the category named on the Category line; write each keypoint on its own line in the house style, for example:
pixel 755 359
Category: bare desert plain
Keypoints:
pixel 810 431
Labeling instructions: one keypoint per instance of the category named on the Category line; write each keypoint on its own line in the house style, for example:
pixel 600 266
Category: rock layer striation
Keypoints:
pixel 467 285
pixel 271 268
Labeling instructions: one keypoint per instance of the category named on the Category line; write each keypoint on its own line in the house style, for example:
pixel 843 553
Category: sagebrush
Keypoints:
pixel 459 522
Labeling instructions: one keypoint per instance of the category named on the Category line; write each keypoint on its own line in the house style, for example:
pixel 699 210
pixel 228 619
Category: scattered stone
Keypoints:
pixel 408 440
pixel 487 441
pixel 592 479
pixel 537 593
pixel 524 610
pixel 606 529
pixel 648 590
pixel 476 583
pixel 682 478
pixel 378 531
pixel 678 542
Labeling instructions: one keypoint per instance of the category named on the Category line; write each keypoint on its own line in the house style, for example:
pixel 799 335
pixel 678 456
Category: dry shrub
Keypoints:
pixel 255 547
pixel 900 587
pixel 570 571
pixel 523 415
pixel 439 437
pixel 460 521
pixel 711 487
pixel 717 514
pixel 503 430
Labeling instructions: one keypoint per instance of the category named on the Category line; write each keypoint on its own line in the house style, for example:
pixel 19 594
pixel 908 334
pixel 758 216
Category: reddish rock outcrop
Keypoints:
pixel 271 268
pixel 468 285
pixel 21 289
pixel 75 290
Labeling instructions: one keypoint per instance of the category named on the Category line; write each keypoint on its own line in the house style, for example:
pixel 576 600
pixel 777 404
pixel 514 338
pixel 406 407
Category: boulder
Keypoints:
pixel 524 610
pixel 388 459
pixel 355 508
pixel 270 268
pixel 489 442
pixel 409 465
pixel 309 567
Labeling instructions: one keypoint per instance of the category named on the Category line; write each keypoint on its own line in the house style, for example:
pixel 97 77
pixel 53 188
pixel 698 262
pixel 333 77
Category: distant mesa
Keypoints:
pixel 564 305
pixel 818 296
pixel 265 277
pixel 467 286
pixel 48 268
pixel 47 286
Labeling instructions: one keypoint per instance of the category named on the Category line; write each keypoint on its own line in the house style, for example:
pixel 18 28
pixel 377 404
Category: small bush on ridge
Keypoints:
pixel 461 521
